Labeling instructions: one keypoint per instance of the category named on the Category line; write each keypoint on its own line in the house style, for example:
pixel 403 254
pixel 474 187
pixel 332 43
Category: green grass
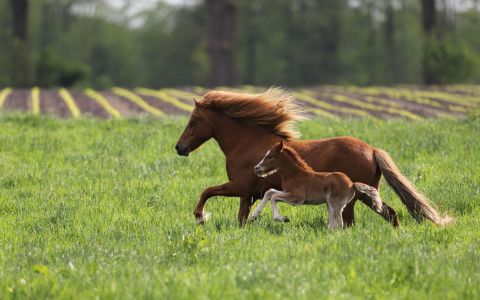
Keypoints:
pixel 104 209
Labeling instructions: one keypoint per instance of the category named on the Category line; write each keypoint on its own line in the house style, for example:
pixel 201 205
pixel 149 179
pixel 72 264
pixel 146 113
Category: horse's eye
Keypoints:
pixel 191 124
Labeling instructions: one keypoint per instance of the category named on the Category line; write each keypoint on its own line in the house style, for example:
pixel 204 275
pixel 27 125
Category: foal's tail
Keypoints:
pixel 417 204
pixel 370 192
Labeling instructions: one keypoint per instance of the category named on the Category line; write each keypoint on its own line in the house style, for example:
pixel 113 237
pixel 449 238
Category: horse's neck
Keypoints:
pixel 231 134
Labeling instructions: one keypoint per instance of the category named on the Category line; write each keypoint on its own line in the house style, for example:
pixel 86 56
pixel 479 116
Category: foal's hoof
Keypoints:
pixel 283 219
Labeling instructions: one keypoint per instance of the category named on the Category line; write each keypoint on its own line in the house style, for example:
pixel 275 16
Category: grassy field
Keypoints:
pixel 103 209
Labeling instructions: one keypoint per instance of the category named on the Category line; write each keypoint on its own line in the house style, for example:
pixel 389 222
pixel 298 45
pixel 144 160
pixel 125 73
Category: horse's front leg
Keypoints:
pixel 285 197
pixel 244 210
pixel 227 189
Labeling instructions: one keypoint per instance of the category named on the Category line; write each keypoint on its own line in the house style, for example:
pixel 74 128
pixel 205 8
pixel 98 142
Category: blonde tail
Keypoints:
pixel 417 204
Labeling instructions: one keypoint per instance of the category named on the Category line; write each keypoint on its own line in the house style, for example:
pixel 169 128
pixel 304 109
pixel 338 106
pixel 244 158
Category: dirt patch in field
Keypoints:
pixel 124 106
pixel 419 109
pixel 19 100
pixel 52 104
pixel 88 106
pixel 167 108
pixel 414 108
pixel 329 98
pixel 310 106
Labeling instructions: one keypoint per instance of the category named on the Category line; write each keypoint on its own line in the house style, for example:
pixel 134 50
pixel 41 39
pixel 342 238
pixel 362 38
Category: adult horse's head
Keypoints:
pixel 198 130
pixel 273 110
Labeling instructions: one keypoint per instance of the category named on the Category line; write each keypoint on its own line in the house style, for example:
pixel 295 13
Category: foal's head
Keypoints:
pixel 280 158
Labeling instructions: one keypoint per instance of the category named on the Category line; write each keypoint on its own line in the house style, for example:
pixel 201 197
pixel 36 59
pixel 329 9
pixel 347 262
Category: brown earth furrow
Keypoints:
pixel 124 106
pixel 52 104
pixel 88 106
pixel 19 100
pixel 378 114
pixel 412 107
pixel 165 107
pixel 308 106
pixel 423 110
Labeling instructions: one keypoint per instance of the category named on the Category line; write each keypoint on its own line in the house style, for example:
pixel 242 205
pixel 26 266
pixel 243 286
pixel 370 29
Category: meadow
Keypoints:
pixel 103 209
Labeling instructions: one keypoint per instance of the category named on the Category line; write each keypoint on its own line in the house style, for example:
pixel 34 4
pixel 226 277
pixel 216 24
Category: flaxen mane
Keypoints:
pixel 296 157
pixel 275 109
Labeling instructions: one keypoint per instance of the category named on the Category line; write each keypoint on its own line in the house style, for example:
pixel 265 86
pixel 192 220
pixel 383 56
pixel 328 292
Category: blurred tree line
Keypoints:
pixel 225 42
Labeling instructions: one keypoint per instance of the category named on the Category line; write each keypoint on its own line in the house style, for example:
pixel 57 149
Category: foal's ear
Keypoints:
pixel 196 102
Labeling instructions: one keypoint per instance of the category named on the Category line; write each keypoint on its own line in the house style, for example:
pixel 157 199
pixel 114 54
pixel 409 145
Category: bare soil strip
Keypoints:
pixel 167 108
pixel 88 106
pixel 332 102
pixel 52 104
pixel 18 100
pixel 124 106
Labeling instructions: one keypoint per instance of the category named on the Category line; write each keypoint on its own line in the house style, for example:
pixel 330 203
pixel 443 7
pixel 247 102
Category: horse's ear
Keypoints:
pixel 196 102
pixel 282 145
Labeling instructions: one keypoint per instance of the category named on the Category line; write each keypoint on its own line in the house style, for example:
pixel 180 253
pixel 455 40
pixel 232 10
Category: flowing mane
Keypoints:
pixel 275 109
pixel 298 160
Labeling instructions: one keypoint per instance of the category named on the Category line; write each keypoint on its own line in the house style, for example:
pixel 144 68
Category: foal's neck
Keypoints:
pixel 291 166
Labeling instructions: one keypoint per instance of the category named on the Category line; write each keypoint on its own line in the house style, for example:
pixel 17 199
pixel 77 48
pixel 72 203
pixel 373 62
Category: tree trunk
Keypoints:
pixel 251 45
pixel 289 49
pixel 19 11
pixel 21 71
pixel 428 16
pixel 392 68
pixel 222 41
pixel 429 24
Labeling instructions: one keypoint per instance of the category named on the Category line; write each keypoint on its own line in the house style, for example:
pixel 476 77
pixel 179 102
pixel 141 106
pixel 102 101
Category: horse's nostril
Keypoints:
pixel 177 147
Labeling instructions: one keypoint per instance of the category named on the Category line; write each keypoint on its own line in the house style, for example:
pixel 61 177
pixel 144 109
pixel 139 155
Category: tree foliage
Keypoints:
pixel 277 42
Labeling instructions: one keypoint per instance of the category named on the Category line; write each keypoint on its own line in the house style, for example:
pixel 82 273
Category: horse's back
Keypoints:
pixel 344 154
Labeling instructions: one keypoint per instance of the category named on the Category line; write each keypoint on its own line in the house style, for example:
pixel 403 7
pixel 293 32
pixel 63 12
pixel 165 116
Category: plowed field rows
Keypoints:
pixel 332 102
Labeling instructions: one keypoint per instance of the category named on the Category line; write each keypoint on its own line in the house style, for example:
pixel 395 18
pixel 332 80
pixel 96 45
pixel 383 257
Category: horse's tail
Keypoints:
pixel 417 204
pixel 370 192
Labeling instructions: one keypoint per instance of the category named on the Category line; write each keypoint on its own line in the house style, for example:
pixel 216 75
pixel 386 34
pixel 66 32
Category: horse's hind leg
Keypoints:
pixel 335 206
pixel 348 213
pixel 335 220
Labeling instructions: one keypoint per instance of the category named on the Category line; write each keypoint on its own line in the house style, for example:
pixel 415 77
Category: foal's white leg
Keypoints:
pixel 335 208
pixel 279 196
pixel 262 204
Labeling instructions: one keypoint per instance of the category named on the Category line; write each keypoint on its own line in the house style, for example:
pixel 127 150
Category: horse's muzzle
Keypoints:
pixel 182 150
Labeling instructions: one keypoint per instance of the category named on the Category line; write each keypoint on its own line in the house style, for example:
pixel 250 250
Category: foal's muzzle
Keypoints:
pixel 182 150
pixel 258 170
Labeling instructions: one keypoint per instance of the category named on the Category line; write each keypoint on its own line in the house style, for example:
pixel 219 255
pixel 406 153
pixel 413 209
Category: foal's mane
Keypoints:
pixel 275 109
pixel 296 158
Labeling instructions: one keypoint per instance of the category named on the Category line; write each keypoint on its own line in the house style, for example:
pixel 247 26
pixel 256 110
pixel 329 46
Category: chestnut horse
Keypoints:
pixel 302 185
pixel 245 126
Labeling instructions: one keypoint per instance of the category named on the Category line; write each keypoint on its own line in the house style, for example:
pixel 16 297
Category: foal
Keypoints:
pixel 302 185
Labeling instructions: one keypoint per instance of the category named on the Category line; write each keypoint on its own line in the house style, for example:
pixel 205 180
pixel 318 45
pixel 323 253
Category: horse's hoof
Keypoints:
pixel 207 215
pixel 283 219
pixel 201 218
